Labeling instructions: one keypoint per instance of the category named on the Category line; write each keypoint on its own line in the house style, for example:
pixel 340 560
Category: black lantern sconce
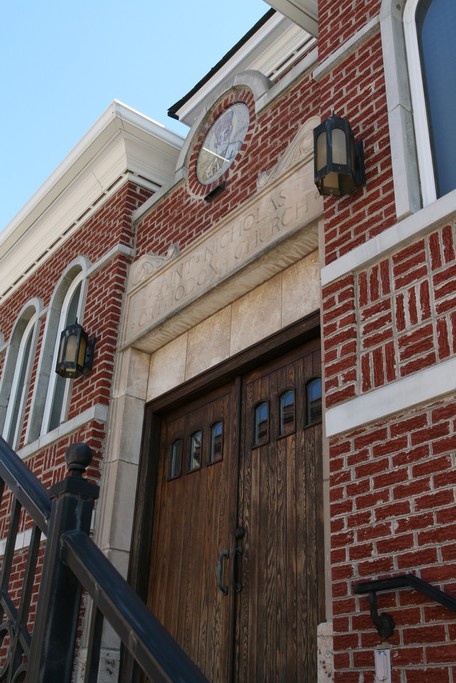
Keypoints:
pixel 75 352
pixel 338 159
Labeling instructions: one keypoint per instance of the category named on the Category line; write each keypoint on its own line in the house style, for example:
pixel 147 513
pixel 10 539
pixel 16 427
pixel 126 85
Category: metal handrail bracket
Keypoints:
pixel 384 623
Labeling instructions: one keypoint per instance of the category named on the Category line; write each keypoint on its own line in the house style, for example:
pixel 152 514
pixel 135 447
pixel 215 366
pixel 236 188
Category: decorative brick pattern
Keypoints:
pixel 396 317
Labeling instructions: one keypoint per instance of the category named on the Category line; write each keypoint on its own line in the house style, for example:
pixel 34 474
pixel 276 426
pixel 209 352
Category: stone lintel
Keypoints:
pixel 167 295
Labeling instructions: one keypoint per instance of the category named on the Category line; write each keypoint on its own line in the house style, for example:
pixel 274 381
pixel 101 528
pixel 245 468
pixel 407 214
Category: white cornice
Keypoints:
pixel 304 13
pixel 266 51
pixel 122 144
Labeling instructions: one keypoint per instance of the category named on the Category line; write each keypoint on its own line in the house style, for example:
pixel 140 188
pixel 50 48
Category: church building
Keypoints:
pixel 267 310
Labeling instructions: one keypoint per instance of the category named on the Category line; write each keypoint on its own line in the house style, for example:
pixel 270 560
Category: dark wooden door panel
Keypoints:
pixel 193 522
pixel 280 497
pixel 267 483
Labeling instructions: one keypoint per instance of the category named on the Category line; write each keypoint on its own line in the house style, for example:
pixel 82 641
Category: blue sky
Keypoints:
pixel 62 63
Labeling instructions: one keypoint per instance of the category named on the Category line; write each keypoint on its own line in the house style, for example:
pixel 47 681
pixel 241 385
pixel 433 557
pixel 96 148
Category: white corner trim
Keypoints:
pixel 421 122
pixel 411 228
pixel 431 384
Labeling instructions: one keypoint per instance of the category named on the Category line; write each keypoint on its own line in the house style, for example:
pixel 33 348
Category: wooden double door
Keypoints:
pixel 236 571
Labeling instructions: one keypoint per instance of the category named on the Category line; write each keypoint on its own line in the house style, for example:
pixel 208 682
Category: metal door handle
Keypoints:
pixel 237 585
pixel 222 555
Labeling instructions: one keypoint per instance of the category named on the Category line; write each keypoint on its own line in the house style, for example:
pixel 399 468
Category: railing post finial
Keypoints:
pixel 78 457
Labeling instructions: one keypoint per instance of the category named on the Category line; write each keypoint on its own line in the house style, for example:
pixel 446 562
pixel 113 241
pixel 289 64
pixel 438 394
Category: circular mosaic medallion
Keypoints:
pixel 222 143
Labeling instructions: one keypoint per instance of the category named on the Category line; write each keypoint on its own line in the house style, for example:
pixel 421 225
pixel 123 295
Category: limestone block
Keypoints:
pixel 167 367
pixel 256 315
pixel 301 289
pixel 209 343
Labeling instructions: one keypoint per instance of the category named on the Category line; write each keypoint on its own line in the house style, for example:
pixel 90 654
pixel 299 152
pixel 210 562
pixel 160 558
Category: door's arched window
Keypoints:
pixel 313 401
pixel 195 459
pixel 261 424
pixel 430 27
pixel 216 454
pixel 16 375
pixel 287 413
pixel 175 459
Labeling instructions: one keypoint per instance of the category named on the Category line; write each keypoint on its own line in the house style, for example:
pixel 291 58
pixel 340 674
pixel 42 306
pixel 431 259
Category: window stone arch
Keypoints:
pixel 48 383
pixel 15 383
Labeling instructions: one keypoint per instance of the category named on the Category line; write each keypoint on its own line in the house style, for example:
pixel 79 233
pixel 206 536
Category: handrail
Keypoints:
pixel 24 485
pixel 384 622
pixel 147 640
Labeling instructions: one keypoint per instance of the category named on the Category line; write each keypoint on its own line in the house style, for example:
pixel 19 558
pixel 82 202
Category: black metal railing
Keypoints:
pixel 44 651
pixel 383 622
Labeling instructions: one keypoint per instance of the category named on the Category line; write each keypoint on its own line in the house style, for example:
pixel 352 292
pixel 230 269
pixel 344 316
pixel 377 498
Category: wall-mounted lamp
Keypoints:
pixel 338 159
pixel 75 352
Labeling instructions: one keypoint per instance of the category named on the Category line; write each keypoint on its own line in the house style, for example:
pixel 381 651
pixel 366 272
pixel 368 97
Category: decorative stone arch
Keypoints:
pixel 75 273
pixel 253 81
pixel 26 323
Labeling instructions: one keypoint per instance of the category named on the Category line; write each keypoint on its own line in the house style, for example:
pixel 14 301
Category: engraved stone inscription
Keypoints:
pixel 283 206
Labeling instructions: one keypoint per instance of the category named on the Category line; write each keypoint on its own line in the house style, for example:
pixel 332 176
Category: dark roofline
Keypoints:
pixel 175 107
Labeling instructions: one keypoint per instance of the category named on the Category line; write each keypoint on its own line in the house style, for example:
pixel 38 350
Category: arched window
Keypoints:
pixel 66 306
pixel 175 459
pixel 51 392
pixel 313 401
pixel 430 27
pixel 2 351
pixel 17 372
pixel 195 452
pixel 287 413
pixel 216 453
pixel 261 424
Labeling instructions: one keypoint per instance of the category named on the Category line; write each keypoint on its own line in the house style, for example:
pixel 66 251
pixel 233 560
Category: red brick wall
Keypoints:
pixel 50 466
pixel 394 318
pixel 101 319
pixel 392 512
pixel 339 21
pixel 355 90
pixel 392 483
pixel 109 226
